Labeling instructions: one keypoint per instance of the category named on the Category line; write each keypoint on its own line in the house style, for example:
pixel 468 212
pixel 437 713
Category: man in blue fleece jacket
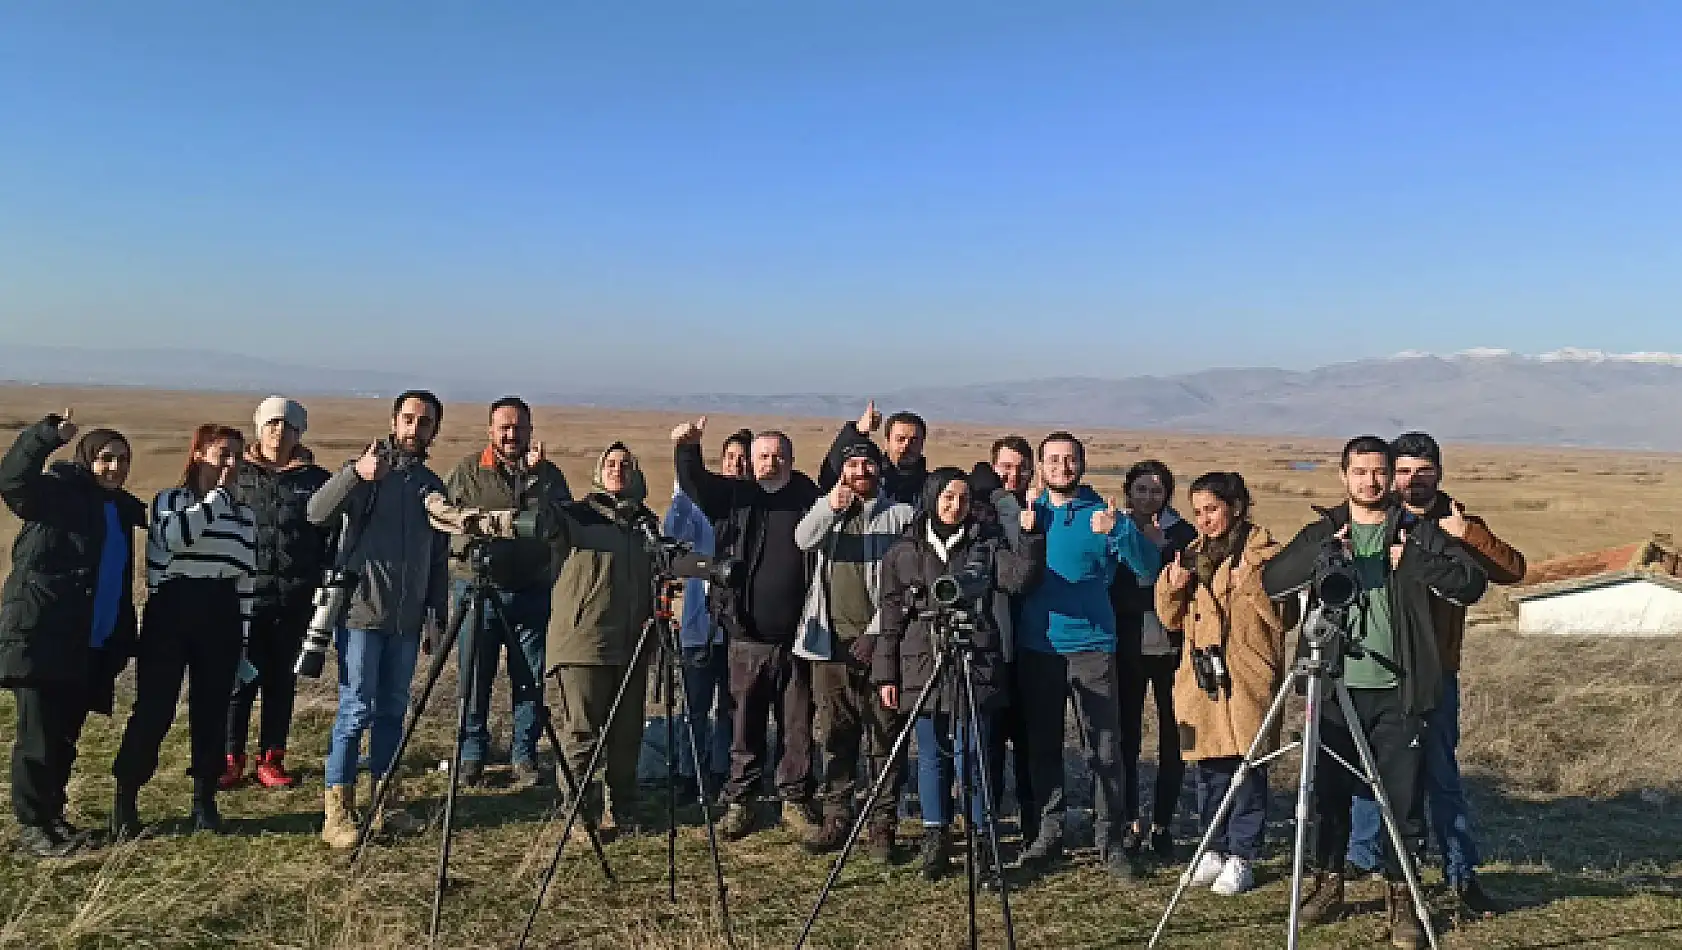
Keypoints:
pixel 1066 641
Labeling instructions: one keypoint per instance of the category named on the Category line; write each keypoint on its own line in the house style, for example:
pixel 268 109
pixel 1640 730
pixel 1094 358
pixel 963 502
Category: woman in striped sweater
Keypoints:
pixel 201 557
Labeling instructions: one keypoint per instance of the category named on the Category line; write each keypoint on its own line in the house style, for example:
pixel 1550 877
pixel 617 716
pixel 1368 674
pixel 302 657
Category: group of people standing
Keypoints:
pixel 1090 606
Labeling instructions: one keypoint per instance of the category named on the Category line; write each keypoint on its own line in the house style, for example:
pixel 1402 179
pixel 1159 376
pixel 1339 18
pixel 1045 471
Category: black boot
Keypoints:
pixel 125 813
pixel 205 816
pixel 936 853
pixel 41 841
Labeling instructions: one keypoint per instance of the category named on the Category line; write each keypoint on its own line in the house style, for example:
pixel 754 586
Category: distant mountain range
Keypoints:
pixel 1568 397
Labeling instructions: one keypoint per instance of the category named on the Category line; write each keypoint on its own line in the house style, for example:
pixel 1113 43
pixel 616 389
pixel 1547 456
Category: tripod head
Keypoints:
pixel 951 617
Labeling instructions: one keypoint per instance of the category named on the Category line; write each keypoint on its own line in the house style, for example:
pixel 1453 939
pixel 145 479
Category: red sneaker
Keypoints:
pixel 233 774
pixel 271 772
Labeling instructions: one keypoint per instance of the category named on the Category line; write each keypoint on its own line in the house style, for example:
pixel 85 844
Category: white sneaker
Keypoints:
pixel 1208 869
pixel 1235 879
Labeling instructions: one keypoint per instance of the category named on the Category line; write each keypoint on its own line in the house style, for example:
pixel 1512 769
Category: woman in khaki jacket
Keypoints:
pixel 602 599
pixel 1214 593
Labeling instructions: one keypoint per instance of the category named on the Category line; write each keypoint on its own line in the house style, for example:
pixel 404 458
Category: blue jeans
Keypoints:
pixel 706 687
pixel 1246 823
pixel 528 611
pixel 1445 799
pixel 375 670
pixel 937 766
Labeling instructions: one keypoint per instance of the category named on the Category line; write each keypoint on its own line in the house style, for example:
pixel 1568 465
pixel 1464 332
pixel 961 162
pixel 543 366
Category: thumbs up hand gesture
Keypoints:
pixel 1180 572
pixel 871 420
pixel 66 429
pixel 372 466
pixel 535 455
pixel 1104 520
pixel 690 433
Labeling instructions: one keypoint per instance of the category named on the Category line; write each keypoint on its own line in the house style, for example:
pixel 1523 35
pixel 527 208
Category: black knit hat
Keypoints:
pixel 860 447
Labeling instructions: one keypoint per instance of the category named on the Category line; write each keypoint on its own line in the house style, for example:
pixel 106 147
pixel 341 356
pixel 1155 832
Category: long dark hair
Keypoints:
pixel 1229 487
pixel 203 437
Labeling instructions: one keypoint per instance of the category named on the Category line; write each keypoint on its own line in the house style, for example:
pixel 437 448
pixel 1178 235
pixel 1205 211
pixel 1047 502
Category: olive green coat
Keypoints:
pixel 602 596
pixel 1234 611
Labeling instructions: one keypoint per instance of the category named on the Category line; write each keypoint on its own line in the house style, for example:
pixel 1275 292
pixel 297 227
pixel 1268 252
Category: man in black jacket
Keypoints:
pixel 67 619
pixel 277 481
pixel 1394 675
pixel 904 469
pixel 761 617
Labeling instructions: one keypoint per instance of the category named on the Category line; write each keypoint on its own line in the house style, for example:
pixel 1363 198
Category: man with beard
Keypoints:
pixel 276 482
pixel 1066 642
pixel 1418 475
pixel 850 531
pixel 903 468
pixel 510 472
pixel 760 617
pixel 388 540
pixel 1403 562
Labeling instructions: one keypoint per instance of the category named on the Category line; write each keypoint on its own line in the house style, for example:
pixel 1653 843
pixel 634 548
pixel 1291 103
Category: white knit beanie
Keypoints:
pixel 279 407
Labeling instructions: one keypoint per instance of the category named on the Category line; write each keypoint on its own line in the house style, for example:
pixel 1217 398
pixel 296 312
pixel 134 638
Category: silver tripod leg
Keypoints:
pixel 1253 759
pixel 1305 798
pixel 1404 857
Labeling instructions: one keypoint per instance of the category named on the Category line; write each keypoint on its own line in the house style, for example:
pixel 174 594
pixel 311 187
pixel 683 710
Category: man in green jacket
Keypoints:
pixel 510 472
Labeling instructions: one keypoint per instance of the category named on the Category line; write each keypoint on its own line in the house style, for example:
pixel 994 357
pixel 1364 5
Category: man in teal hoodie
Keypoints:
pixel 1066 641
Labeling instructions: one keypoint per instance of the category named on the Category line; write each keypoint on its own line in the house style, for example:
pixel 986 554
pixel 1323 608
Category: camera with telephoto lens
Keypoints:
pixel 674 558
pixel 331 602
pixel 966 586
pixel 1337 584
pixel 1208 664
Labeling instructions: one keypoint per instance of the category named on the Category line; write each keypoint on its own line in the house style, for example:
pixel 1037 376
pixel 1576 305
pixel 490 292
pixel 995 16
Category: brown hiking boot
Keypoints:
pixel 884 846
pixel 1323 904
pixel 737 822
pixel 1406 932
pixel 829 836
pixel 339 829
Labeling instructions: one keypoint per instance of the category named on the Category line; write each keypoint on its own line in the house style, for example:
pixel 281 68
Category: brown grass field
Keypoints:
pixel 1572 750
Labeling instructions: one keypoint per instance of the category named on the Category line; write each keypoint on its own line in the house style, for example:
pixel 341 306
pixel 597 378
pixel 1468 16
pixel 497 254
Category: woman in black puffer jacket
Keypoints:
pixel 67 624
pixel 946 538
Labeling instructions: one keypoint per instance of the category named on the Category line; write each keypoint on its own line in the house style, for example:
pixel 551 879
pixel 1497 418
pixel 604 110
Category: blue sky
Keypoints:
pixel 825 195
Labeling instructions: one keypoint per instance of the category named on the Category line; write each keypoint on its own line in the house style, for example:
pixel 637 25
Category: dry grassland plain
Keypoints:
pixel 1572 749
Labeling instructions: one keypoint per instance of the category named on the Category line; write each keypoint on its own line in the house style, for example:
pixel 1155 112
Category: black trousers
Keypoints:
pixel 1090 680
pixel 769 679
pixel 1395 739
pixel 1156 674
pixel 1013 726
pixel 191 628
pixel 277 632
pixel 49 723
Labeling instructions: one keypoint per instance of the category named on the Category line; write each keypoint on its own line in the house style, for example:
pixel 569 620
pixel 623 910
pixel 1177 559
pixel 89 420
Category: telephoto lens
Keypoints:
pixel 331 600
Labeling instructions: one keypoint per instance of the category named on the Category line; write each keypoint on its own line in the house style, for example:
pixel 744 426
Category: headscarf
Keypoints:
pixel 92 443
pixel 636 489
pixel 932 487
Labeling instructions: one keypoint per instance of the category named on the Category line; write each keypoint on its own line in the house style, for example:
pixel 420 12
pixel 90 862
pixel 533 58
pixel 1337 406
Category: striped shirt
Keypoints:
pixel 212 537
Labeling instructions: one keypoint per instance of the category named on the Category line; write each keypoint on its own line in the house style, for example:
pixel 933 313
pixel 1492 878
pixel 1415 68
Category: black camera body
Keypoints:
pixel 677 559
pixel 1208 664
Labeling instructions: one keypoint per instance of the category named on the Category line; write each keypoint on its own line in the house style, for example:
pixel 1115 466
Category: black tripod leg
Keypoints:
pixel 596 755
pixel 524 680
pixel 441 653
pixel 706 814
pixel 876 790
pixel 957 747
pixel 469 660
pixel 989 813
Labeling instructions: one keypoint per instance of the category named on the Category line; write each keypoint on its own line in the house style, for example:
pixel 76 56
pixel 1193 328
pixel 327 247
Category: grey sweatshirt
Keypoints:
pixel 403 562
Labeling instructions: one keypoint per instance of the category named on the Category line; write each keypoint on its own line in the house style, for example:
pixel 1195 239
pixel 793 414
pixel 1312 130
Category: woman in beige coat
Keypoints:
pixel 1214 593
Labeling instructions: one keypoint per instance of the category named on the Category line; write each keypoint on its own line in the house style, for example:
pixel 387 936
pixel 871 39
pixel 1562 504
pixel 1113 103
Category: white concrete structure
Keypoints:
pixel 1627 603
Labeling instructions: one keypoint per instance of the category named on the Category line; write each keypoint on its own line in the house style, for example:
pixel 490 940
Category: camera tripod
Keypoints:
pixel 1325 637
pixel 480 602
pixel 955 660
pixel 670 687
